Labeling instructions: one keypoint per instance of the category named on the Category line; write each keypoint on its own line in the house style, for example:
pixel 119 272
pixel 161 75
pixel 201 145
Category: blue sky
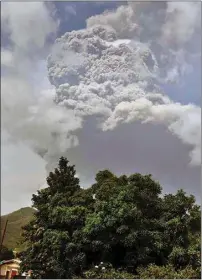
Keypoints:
pixel 129 147
pixel 73 15
pixel 190 88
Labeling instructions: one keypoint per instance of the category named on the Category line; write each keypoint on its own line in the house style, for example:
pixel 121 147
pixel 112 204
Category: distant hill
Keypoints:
pixel 16 220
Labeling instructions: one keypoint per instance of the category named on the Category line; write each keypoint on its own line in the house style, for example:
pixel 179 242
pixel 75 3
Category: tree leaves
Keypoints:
pixel 123 221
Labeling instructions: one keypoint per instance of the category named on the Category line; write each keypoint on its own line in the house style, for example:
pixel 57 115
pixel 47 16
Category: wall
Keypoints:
pixel 10 267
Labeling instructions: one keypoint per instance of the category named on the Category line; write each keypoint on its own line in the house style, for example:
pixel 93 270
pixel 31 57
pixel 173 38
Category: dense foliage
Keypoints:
pixel 124 222
pixel 6 254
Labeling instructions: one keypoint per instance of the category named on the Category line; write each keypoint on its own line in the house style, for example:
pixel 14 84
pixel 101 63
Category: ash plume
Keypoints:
pixel 114 67
pixel 113 70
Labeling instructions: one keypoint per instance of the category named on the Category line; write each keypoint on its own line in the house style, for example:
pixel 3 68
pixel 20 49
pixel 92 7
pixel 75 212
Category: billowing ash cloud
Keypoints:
pixel 171 29
pixel 113 68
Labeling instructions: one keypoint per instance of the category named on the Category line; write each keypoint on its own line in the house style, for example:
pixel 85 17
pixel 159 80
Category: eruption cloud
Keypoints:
pixel 112 70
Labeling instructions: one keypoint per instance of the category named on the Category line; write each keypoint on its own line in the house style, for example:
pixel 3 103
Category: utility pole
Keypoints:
pixel 4 232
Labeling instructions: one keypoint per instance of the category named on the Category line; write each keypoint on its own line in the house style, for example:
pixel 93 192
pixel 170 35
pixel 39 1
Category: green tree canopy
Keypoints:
pixel 122 221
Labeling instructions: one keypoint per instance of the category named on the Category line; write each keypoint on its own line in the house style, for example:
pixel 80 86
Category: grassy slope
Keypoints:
pixel 16 220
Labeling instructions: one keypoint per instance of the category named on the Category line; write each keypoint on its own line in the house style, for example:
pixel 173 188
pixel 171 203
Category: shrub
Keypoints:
pixel 106 271
pixel 167 272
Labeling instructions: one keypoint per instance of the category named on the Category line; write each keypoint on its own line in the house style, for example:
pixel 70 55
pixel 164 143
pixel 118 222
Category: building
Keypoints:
pixel 9 269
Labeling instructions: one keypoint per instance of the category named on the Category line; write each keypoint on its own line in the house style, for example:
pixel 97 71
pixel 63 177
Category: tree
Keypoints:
pixel 166 272
pixel 53 251
pixel 182 230
pixel 123 221
pixel 6 254
pixel 106 271
pixel 125 228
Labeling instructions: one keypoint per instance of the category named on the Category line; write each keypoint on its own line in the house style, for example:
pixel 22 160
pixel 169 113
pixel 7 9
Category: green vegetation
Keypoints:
pixel 6 254
pixel 121 227
pixel 16 220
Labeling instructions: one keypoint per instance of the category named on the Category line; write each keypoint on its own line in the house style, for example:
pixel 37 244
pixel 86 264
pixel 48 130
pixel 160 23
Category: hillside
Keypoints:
pixel 16 220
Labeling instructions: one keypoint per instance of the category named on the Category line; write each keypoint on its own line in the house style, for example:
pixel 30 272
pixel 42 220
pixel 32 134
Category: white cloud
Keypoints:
pixel 94 71
pixel 39 122
pixel 108 72
pixel 183 20
pixel 6 58
pixel 29 24
pixel 21 172
pixel 119 82
pixel 30 116
pixel 70 10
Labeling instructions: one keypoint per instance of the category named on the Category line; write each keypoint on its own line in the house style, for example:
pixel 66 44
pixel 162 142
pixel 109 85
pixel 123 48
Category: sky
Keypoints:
pixel 108 85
